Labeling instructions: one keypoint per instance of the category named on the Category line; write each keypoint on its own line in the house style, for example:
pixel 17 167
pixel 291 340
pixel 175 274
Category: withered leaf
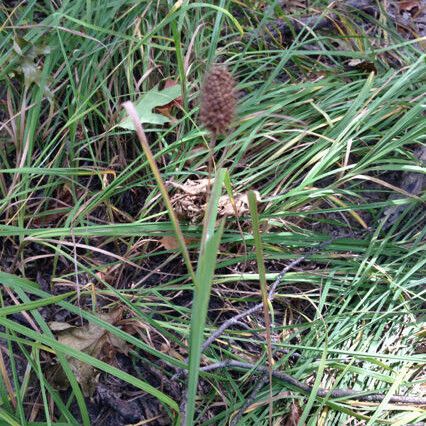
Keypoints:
pixel 236 207
pixel 408 5
pixel 91 339
pixel 169 242
pixel 361 65
pixel 193 187
pixel 190 201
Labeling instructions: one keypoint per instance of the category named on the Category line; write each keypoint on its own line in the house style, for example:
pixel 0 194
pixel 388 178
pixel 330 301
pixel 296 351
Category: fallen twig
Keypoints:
pixel 236 319
pixel 323 393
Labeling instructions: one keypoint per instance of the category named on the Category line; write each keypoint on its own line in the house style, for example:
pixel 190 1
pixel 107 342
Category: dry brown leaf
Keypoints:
pixel 188 207
pixel 193 187
pixel 60 326
pixel 169 350
pixel 190 201
pixel 408 5
pixel 237 207
pixel 171 243
pixel 362 65
pixel 91 339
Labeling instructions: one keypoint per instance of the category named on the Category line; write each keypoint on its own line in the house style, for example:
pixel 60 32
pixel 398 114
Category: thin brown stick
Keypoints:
pixel 131 111
pixel 321 392
pixel 235 320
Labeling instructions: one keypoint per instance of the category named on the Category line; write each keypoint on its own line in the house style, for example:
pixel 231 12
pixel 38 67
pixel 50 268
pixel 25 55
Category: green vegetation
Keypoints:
pixel 88 225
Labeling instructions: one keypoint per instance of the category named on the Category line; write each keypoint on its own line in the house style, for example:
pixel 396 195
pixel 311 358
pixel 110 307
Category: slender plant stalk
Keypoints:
pixel 263 288
pixel 156 172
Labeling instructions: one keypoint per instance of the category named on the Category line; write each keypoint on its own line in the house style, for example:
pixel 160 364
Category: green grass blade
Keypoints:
pixel 204 276
pixel 8 310
pixel 260 258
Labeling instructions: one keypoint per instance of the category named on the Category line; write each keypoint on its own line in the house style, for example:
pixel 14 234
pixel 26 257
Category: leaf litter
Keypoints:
pixel 92 340
pixel 190 201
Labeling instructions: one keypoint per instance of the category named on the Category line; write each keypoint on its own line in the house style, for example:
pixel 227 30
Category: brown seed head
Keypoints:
pixel 217 100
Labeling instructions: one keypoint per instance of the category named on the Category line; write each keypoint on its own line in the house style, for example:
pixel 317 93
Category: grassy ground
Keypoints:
pixel 91 269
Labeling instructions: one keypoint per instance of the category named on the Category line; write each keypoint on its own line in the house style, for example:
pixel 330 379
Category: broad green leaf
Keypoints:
pixel 150 100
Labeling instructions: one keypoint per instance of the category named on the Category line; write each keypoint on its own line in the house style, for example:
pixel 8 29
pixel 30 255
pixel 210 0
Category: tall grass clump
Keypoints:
pixel 289 290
